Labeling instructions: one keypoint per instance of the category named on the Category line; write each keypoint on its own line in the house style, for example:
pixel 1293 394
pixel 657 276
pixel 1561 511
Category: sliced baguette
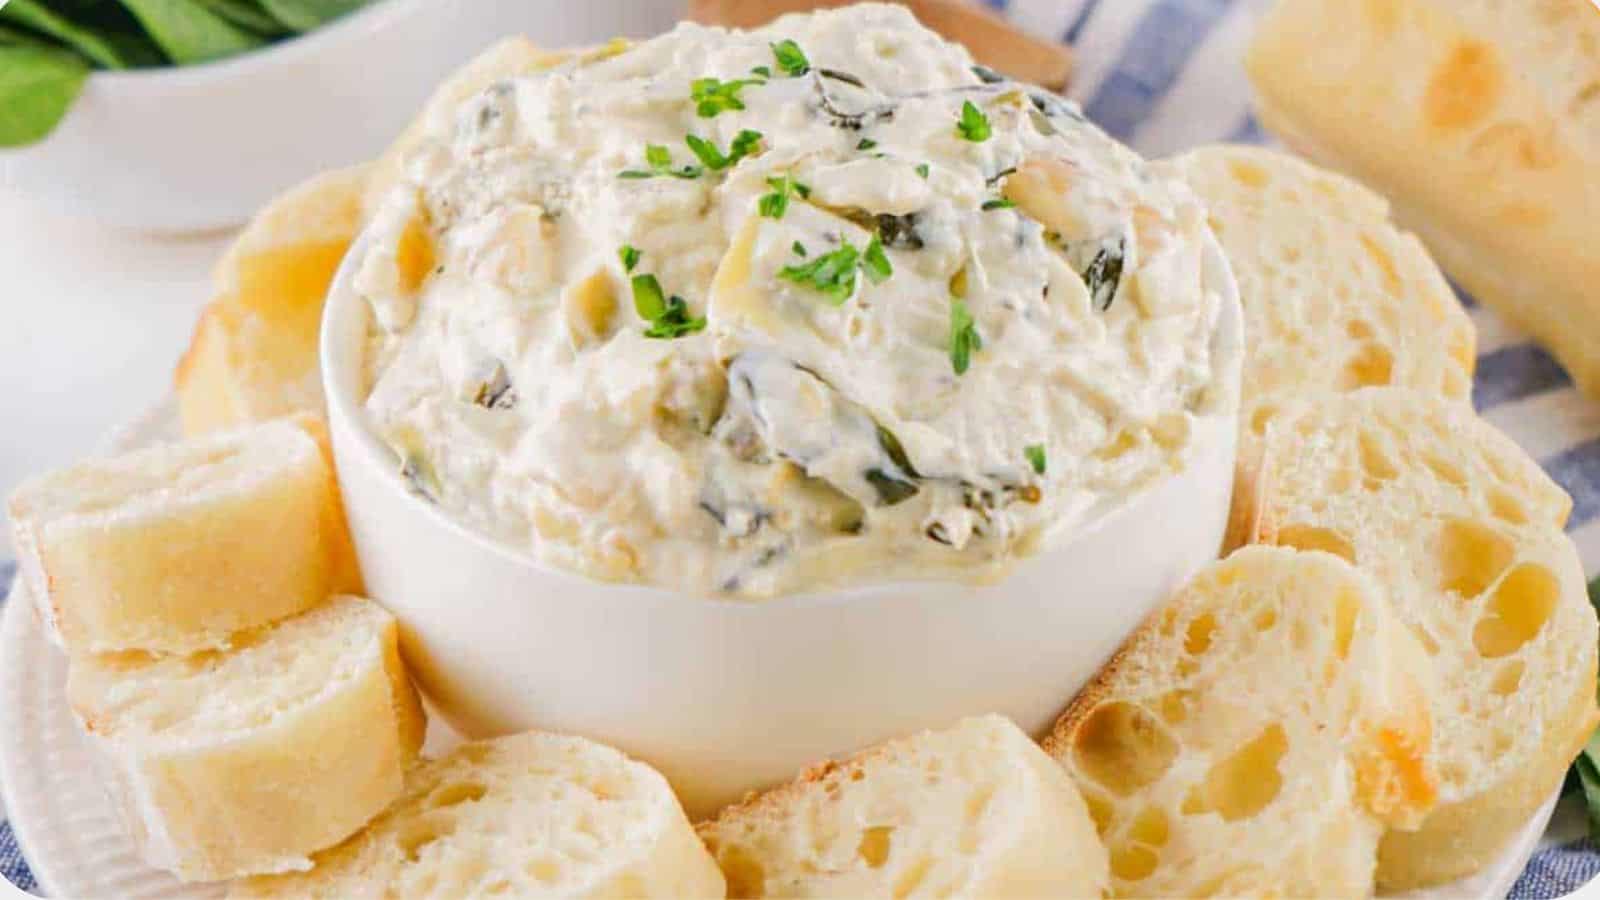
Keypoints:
pixel 254 352
pixel 174 548
pixel 530 815
pixel 1460 528
pixel 1480 119
pixel 976 810
pixel 249 760
pixel 1254 738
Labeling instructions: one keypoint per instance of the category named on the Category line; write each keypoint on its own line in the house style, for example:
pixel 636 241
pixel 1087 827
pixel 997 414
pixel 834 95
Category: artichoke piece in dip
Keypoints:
pixel 745 314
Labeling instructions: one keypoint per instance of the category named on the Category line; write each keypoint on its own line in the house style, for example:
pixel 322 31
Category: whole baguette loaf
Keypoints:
pixel 975 810
pixel 1254 738
pixel 249 760
pixel 1460 528
pixel 533 815
pixel 174 548
pixel 1480 119
pixel 254 353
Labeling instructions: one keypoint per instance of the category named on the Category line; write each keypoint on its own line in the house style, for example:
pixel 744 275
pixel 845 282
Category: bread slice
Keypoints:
pixel 1462 530
pixel 249 760
pixel 1255 736
pixel 529 815
pixel 1480 119
pixel 975 810
pixel 254 352
pixel 173 548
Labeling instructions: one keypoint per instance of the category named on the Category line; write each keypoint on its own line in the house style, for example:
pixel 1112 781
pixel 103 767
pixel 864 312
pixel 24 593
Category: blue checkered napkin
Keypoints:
pixel 1164 75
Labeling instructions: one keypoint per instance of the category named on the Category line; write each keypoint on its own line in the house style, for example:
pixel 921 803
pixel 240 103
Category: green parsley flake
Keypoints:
pixel 775 204
pixel 964 337
pixel 866 144
pixel 1036 458
pixel 833 274
pixel 668 317
pixel 791 59
pixel 744 143
pixel 713 96
pixel 798 248
pixel 923 170
pixel 876 263
pixel 629 255
pixel 763 71
pixel 1001 203
pixel 659 159
pixel 973 124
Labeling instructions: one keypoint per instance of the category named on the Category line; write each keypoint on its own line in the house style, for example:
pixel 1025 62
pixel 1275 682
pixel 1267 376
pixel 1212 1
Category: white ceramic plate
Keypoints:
pixel 77 847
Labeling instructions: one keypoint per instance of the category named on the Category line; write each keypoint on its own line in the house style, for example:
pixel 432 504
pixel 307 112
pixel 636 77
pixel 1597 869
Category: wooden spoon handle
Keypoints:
pixel 992 40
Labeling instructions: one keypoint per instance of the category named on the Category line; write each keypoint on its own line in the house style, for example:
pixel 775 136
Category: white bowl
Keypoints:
pixel 725 697
pixel 203 147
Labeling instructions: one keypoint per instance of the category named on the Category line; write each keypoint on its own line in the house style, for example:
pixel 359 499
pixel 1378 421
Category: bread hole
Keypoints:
pixel 1174 707
pixel 1248 174
pixel 498 888
pixel 857 775
pixel 1346 611
pixel 912 877
pixel 418 833
pixel 414 256
pixel 873 849
pixel 1385 263
pixel 1244 783
pixel 1149 827
pixel 1358 329
pixel 1446 470
pixel 1100 810
pixel 1122 747
pixel 1375 459
pixel 1507 508
pixel 1261 417
pixel 746 878
pixel 1429 645
pixel 1464 88
pixel 457 793
pixel 1132 862
pixel 1371 366
pixel 1507 678
pixel 1515 144
pixel 1312 537
pixel 543 870
pixel 1471 556
pixel 1517 610
pixel 1265 619
pixel 1197 637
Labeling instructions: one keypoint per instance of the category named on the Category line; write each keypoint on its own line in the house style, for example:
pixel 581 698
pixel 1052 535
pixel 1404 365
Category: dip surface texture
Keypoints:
pixel 744 314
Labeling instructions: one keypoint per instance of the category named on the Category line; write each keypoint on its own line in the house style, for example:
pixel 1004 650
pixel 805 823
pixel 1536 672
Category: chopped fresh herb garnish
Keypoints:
pixel 668 317
pixel 659 159
pixel 775 204
pixel 899 232
pixel 833 274
pixel 1036 458
pixel 791 59
pixel 798 248
pixel 1104 274
pixel 763 71
pixel 964 337
pixel 987 75
pixel 999 176
pixel 713 96
pixel 923 170
pixel 973 124
pixel 866 144
pixel 876 263
pixel 1000 203
pixel 495 390
pixel 744 143
pixel 629 255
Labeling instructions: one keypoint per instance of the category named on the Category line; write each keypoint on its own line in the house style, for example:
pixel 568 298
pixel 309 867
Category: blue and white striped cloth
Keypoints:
pixel 1164 75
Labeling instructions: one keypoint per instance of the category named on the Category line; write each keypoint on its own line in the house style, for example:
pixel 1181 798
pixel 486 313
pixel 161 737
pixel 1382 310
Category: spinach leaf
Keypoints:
pixel 35 15
pixel 37 87
pixel 247 14
pixel 189 32
pixel 304 15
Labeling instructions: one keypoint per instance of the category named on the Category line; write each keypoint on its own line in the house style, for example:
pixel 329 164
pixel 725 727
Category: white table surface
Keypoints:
pixel 93 323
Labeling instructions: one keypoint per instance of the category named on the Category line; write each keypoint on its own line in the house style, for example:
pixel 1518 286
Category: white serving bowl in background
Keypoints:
pixel 203 147
pixel 723 696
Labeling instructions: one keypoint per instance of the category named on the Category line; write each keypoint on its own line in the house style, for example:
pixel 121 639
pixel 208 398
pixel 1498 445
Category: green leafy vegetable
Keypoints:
pixel 763 71
pixel 713 96
pixel 248 14
pixel 798 248
pixel 964 337
pixel 973 124
pixel 832 274
pixel 629 255
pixel 189 33
pixel 37 87
pixel 876 263
pixel 659 159
pixel 99 49
pixel 1001 203
pixel 744 143
pixel 668 317
pixel 305 15
pixel 923 170
pixel 866 144
pixel 775 204
pixel 791 59
pixel 1036 458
